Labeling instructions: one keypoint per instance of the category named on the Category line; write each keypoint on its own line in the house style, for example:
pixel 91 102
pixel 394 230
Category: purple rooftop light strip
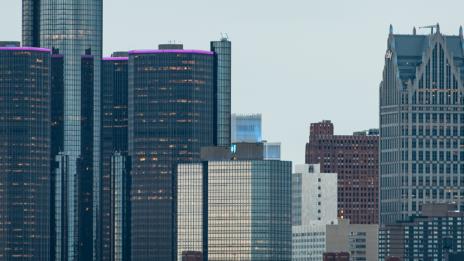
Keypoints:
pixel 115 58
pixel 32 49
pixel 170 51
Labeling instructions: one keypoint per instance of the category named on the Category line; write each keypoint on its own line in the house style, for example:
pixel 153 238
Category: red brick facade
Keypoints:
pixel 355 158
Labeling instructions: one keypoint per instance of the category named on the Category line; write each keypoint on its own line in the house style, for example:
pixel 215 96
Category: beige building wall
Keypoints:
pixel 361 241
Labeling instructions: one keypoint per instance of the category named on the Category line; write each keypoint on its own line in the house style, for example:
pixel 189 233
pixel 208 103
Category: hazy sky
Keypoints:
pixel 294 61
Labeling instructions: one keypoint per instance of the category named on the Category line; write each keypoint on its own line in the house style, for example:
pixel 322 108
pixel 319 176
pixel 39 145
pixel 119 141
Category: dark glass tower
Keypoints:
pixel 24 153
pixel 74 28
pixel 31 23
pixel 57 133
pixel 222 80
pixel 171 116
pixel 114 224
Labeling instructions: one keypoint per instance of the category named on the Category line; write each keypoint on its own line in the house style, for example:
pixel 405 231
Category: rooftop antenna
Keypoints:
pixel 431 27
pixel 224 36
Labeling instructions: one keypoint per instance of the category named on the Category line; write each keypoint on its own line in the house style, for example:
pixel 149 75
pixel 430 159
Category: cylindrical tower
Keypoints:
pixel 171 116
pixel 73 28
pixel 24 153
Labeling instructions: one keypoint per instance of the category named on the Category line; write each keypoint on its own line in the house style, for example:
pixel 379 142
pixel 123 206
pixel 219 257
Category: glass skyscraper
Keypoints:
pixel 246 128
pixel 113 235
pixel 24 153
pixel 222 79
pixel 171 116
pixel 73 28
pixel 235 210
pixel 421 123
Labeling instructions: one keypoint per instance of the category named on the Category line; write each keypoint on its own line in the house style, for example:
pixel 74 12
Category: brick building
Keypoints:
pixel 355 159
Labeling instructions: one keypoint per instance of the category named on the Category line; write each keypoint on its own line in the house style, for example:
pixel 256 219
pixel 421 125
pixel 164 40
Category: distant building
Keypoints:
pixel 355 159
pixel 25 141
pixel 246 201
pixel 340 256
pixel 314 205
pixel 433 235
pixel 421 123
pixel 246 128
pixel 272 150
pixel 359 240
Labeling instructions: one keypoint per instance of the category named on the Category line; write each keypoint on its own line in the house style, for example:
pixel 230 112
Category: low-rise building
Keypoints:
pixel 437 233
pixel 359 240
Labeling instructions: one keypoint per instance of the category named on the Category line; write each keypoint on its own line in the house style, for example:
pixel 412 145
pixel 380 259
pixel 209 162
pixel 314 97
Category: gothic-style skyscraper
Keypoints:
pixel 421 123
pixel 73 28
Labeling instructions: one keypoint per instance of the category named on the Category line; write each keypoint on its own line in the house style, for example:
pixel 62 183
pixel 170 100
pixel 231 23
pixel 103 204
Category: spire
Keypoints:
pixel 391 29
pixel 460 31
pixel 414 32
pixel 438 27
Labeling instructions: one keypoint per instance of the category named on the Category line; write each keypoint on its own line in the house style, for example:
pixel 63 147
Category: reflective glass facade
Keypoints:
pixel 24 154
pixel 120 208
pixel 113 231
pixel 57 134
pixel 246 128
pixel 191 209
pixel 31 23
pixel 272 150
pixel 222 79
pixel 171 116
pixel 421 124
pixel 246 208
pixel 74 27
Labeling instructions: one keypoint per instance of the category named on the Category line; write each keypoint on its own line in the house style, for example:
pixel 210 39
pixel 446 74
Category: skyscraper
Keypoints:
pixel 421 123
pixel 113 234
pixel 355 159
pixel 272 150
pixel 74 29
pixel 222 80
pixel 246 128
pixel 24 153
pixel 171 116
pixel 234 209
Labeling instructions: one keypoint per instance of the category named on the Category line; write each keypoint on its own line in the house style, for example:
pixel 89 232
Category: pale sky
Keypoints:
pixel 294 61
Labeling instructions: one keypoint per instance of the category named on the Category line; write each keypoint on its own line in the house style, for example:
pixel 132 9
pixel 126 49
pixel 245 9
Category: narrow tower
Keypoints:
pixel 73 28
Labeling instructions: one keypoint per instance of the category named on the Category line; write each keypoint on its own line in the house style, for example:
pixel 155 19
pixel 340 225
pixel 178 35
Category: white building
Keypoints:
pixel 314 205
